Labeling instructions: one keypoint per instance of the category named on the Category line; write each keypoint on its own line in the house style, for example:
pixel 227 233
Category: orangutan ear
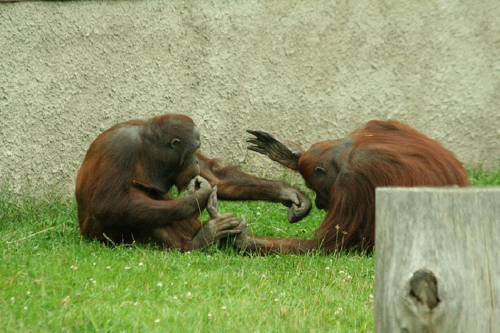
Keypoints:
pixel 174 142
pixel 320 170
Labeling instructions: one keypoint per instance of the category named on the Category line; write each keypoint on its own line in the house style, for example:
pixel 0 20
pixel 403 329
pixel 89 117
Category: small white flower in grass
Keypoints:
pixel 25 308
pixel 209 316
pixel 189 295
pixel 341 272
pixel 108 267
pixel 224 307
pixel 93 264
pixel 74 267
pixel 140 264
pixel 157 320
pixel 127 268
pixel 276 300
pixel 175 297
pixel 327 268
pixel 189 264
pixel 159 284
pixel 348 278
pixel 339 310
pixel 259 213
pixel 12 300
pixel 370 296
pixel 28 293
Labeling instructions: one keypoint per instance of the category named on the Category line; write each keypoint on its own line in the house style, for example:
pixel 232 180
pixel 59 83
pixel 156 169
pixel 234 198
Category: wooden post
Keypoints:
pixel 437 265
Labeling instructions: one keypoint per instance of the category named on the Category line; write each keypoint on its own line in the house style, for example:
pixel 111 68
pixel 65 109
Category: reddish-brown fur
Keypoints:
pixel 122 186
pixel 345 173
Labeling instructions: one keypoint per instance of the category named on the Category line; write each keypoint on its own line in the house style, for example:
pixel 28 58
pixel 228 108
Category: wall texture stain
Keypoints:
pixel 305 70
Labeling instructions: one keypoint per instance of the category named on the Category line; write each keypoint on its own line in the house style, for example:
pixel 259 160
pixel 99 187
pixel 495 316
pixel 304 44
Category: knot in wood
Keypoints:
pixel 424 289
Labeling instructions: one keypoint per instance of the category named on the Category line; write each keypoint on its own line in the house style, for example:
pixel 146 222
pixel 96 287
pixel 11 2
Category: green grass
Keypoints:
pixel 478 177
pixel 52 280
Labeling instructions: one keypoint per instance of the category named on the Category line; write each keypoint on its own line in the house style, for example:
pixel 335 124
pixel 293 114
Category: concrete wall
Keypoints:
pixel 306 70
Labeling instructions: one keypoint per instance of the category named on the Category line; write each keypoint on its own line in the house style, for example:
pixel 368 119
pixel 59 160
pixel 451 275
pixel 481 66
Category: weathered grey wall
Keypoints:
pixel 307 70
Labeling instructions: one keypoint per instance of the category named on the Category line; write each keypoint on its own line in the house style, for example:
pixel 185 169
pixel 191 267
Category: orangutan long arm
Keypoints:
pixel 144 212
pixel 233 184
pixel 266 246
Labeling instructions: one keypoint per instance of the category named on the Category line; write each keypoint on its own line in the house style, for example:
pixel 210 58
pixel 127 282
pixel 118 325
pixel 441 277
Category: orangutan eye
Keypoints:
pixel 319 169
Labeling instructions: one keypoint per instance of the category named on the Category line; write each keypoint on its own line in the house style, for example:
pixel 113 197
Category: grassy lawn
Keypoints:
pixel 52 280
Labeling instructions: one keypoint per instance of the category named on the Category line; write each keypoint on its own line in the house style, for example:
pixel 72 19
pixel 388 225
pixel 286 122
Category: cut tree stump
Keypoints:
pixel 437 265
